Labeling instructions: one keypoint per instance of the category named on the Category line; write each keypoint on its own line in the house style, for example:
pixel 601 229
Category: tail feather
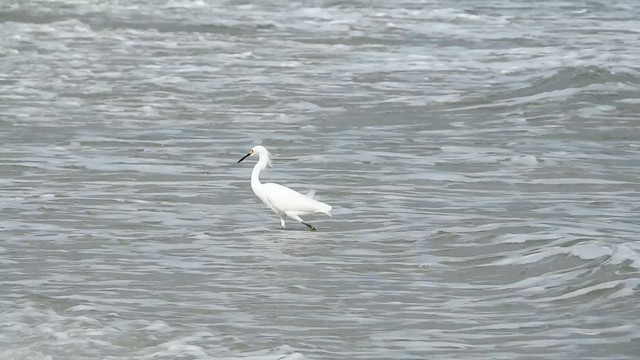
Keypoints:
pixel 326 209
pixel 323 208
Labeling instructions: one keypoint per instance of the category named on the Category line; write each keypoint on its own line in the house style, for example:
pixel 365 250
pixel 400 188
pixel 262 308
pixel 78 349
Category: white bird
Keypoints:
pixel 282 200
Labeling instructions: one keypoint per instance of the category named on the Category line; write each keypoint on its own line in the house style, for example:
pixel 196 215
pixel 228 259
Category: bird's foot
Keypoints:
pixel 311 227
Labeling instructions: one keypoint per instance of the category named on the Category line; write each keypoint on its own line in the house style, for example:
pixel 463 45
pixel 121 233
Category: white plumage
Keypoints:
pixel 283 201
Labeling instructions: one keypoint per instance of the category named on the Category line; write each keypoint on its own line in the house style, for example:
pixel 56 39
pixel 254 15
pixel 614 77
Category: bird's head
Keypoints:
pixel 259 150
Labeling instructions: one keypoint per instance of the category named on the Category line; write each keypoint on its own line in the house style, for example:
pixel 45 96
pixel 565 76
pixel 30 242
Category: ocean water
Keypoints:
pixel 482 160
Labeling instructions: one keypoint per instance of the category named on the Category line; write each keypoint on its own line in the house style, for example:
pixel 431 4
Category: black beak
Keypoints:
pixel 244 157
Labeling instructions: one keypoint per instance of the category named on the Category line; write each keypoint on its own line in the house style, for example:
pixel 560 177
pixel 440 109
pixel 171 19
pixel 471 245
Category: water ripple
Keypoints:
pixel 483 171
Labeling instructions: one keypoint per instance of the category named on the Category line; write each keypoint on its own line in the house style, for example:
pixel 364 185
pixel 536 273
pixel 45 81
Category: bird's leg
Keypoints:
pixel 297 218
pixel 282 223
pixel 309 226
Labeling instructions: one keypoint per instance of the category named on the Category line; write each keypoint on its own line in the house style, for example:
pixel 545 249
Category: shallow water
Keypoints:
pixel 482 160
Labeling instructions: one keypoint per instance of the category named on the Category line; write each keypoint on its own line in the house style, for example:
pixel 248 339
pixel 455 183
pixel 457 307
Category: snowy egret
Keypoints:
pixel 282 200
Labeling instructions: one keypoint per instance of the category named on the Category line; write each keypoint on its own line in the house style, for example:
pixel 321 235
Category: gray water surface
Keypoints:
pixel 482 160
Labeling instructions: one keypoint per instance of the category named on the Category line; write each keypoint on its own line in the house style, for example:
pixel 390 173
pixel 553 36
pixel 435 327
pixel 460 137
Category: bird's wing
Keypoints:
pixel 311 194
pixel 285 199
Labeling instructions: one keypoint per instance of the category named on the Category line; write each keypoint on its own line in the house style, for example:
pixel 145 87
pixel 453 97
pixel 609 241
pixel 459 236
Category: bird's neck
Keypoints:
pixel 256 185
